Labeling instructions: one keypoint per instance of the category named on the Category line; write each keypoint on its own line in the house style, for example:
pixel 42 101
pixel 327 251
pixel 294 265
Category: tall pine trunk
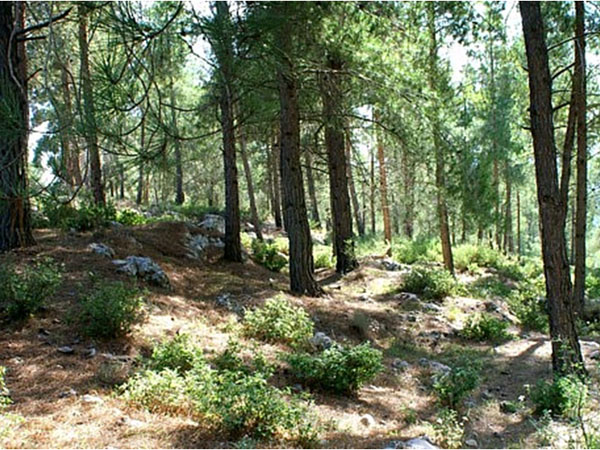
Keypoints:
pixel 581 106
pixel 89 109
pixel 250 184
pixel 179 194
pixel 312 191
pixel 275 157
pixel 566 353
pixel 15 211
pixel 223 47
pixel 360 224
pixel 302 279
pixel 440 175
pixel 385 207
pixel 341 216
pixel 372 191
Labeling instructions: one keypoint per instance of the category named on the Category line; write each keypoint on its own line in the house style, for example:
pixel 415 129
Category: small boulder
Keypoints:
pixel 68 393
pixel 406 297
pixel 102 249
pixel 472 443
pixel 422 442
pixel 367 421
pixel 321 341
pixel 92 399
pixel 214 223
pixel 145 268
pixel 391 265
pixel 67 350
pixel 399 364
pixel 432 307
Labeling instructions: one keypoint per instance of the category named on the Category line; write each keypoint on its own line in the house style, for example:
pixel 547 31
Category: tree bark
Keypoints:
pixel 360 224
pixel 15 210
pixel 519 250
pixel 385 207
pixel 580 82
pixel 509 244
pixel 372 192
pixel 440 176
pixel 250 184
pixel 408 172
pixel 224 53
pixel 312 192
pixel 89 109
pixel 179 193
pixel 331 94
pixel 70 151
pixel 566 353
pixel 276 183
pixel 302 280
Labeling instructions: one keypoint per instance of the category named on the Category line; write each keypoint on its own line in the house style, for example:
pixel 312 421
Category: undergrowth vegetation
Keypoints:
pixel 279 321
pixel 24 292
pixel 340 369
pixel 268 255
pixel 229 396
pixel 452 387
pixel 486 328
pixel 109 310
pixel 432 284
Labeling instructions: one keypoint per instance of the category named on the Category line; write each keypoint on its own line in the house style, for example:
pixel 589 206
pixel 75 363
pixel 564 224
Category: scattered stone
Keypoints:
pixel 491 307
pixel 406 297
pixel 590 344
pixel 432 307
pixel 367 421
pixel 471 443
pixel 434 366
pixel 470 404
pixel 213 222
pixel 102 249
pixel 487 395
pixel 422 442
pixel 90 352
pixel 391 265
pixel 365 298
pixel 297 388
pixel 321 341
pixel 400 364
pixel 68 393
pixel 199 243
pixel 67 350
pixel 133 423
pixel 224 300
pixel 145 268
pixel 595 355
pixel 115 225
pixel 92 399
pixel 411 318
pixel 57 321
pixel 121 358
pixel 43 332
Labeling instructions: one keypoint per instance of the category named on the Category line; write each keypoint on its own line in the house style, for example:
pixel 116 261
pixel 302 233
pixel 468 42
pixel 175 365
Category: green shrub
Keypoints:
pixel 279 321
pixel 4 398
pixel 163 391
pixel 338 369
pixel 267 255
pixel 230 359
pixel 529 305
pixel 489 286
pixel 417 250
pixel 109 310
pixel 177 354
pixel 448 429
pixel 89 217
pixel 130 217
pixel 434 284
pixel 453 386
pixel 592 283
pixel 322 257
pixel 562 397
pixel 480 256
pixel 23 294
pixel 486 328
pixel 236 403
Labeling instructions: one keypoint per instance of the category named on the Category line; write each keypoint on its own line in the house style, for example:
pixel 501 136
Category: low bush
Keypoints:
pixel 109 311
pixel 529 305
pixel 564 396
pixel 130 217
pixel 417 250
pixel 338 369
pixel 87 216
pixel 434 284
pixel 177 354
pixel 449 429
pixel 234 402
pixel 322 257
pixel 453 386
pixel 24 293
pixel 474 255
pixel 279 321
pixel 231 359
pixel 266 254
pixel 486 328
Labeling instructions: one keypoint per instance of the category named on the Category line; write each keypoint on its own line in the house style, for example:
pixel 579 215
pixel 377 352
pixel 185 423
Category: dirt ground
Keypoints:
pixel 49 388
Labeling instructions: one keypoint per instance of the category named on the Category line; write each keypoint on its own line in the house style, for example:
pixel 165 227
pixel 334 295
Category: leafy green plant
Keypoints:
pixel 564 396
pixel 109 311
pixel 177 354
pixel 8 421
pixel 486 328
pixel 449 429
pixel 416 250
pixel 279 321
pixel 453 386
pixel 231 359
pixel 89 217
pixel 24 293
pixel 268 255
pixel 434 284
pixel 157 391
pixel 529 305
pixel 338 369
pixel 322 257
pixel 130 217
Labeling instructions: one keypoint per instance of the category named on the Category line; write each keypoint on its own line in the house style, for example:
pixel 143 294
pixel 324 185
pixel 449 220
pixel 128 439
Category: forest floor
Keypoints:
pixel 69 400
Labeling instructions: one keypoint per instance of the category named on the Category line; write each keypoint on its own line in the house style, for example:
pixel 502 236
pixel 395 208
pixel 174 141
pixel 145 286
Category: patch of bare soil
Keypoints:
pixel 68 400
